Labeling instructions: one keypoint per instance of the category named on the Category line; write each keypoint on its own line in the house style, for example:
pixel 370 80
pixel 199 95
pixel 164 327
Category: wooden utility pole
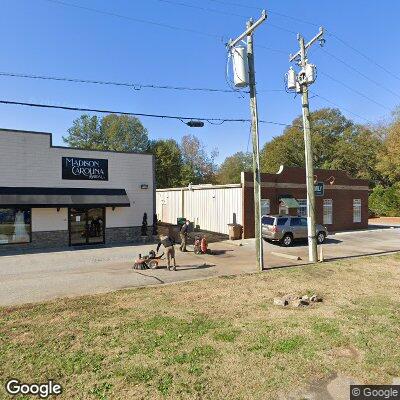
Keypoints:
pixel 303 81
pixel 250 27
pixel 256 151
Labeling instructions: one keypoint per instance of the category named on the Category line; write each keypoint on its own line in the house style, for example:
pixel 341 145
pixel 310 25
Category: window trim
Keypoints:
pixel 328 203
pixel 304 205
pixel 30 227
pixel 283 207
pixel 269 206
pixel 359 208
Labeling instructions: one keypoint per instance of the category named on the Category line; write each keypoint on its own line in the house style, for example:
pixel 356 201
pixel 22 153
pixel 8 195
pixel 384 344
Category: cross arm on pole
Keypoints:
pixel 310 43
pixel 249 30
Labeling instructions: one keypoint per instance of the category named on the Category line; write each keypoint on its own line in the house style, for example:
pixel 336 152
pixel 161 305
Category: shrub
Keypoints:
pixel 385 201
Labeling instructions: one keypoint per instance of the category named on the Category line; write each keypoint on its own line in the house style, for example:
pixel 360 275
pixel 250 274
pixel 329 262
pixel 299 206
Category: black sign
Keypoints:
pixel 319 188
pixel 84 169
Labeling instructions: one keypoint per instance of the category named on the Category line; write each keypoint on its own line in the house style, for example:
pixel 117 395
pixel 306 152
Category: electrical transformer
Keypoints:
pixel 291 79
pixel 240 67
pixel 311 73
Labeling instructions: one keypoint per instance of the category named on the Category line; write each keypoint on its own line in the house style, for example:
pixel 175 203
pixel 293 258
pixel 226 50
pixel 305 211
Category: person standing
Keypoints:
pixel 184 234
pixel 168 243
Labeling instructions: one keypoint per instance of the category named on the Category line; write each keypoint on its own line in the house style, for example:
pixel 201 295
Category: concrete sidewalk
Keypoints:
pixel 43 276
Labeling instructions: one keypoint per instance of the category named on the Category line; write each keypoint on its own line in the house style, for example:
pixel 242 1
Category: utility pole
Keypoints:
pixel 250 28
pixel 300 83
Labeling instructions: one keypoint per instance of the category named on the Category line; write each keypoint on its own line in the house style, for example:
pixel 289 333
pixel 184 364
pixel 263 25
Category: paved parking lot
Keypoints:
pixel 37 277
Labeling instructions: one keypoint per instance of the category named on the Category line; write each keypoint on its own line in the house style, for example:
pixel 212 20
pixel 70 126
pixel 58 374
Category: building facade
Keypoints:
pixel 341 202
pixel 53 196
pixel 210 207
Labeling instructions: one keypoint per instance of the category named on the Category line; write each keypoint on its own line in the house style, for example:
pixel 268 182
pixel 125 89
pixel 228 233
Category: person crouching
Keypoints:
pixel 168 242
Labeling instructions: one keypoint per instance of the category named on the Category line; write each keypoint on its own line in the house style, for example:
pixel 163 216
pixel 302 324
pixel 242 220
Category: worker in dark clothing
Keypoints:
pixel 168 243
pixel 184 234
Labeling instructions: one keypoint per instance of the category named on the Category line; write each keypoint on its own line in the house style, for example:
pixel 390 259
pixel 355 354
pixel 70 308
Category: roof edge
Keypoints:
pixel 50 135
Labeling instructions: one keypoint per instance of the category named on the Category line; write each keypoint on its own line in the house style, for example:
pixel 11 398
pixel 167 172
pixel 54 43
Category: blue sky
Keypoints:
pixel 45 38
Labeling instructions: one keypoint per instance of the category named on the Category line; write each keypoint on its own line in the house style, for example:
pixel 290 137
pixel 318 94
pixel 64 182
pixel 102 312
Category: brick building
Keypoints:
pixel 53 196
pixel 341 202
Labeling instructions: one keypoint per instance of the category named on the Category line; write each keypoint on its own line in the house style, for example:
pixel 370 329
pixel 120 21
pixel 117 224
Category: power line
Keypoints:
pixel 355 90
pixel 360 73
pixel 213 10
pixel 229 3
pixel 163 25
pixel 368 58
pixel 135 86
pixel 328 32
pixel 214 121
pixel 339 106
pixel 140 20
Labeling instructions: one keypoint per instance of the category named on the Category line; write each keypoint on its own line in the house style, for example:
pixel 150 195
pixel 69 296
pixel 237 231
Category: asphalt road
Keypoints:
pixel 26 278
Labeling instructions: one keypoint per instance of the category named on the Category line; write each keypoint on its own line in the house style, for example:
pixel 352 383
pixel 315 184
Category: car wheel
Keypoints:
pixel 320 237
pixel 287 240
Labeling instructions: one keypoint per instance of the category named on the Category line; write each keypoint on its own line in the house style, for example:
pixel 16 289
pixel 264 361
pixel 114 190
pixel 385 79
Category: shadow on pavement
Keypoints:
pixel 188 267
pixel 303 243
pixel 220 252
pixel 329 259
pixel 376 253
pixel 149 276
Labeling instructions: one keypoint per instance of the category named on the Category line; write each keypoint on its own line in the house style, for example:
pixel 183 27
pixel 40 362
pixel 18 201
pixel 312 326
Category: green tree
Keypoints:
pixel 338 143
pixel 230 169
pixel 198 166
pixel 389 160
pixel 168 163
pixel 385 201
pixel 112 132
pixel 327 125
pixel 357 152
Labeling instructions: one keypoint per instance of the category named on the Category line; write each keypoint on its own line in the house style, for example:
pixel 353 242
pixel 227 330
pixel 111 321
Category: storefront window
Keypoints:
pixel 15 225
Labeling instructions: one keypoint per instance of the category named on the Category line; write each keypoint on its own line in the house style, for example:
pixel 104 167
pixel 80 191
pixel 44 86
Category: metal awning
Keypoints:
pixel 44 197
pixel 289 202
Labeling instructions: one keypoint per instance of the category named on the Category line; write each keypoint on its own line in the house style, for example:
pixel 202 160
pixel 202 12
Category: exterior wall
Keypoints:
pixel 28 159
pixel 291 181
pixel 48 239
pixel 169 205
pixel 211 208
pixel 123 235
pixel 49 219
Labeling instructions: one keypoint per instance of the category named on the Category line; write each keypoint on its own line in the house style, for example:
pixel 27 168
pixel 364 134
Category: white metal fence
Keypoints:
pixel 212 208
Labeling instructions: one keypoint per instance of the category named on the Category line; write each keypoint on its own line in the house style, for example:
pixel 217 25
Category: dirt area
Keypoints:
pixel 214 339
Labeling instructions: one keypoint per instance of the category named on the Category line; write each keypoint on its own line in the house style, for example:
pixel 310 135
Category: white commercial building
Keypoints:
pixel 209 207
pixel 58 196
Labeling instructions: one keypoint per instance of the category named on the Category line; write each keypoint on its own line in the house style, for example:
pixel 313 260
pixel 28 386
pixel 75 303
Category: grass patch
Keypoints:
pixel 213 339
pixel 227 335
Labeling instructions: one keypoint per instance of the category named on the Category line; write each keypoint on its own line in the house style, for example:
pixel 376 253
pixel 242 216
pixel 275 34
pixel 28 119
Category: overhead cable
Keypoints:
pixel 214 121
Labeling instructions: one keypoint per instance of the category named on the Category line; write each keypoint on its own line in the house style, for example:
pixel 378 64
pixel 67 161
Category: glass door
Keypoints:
pixel 86 226
pixel 95 219
pixel 77 226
